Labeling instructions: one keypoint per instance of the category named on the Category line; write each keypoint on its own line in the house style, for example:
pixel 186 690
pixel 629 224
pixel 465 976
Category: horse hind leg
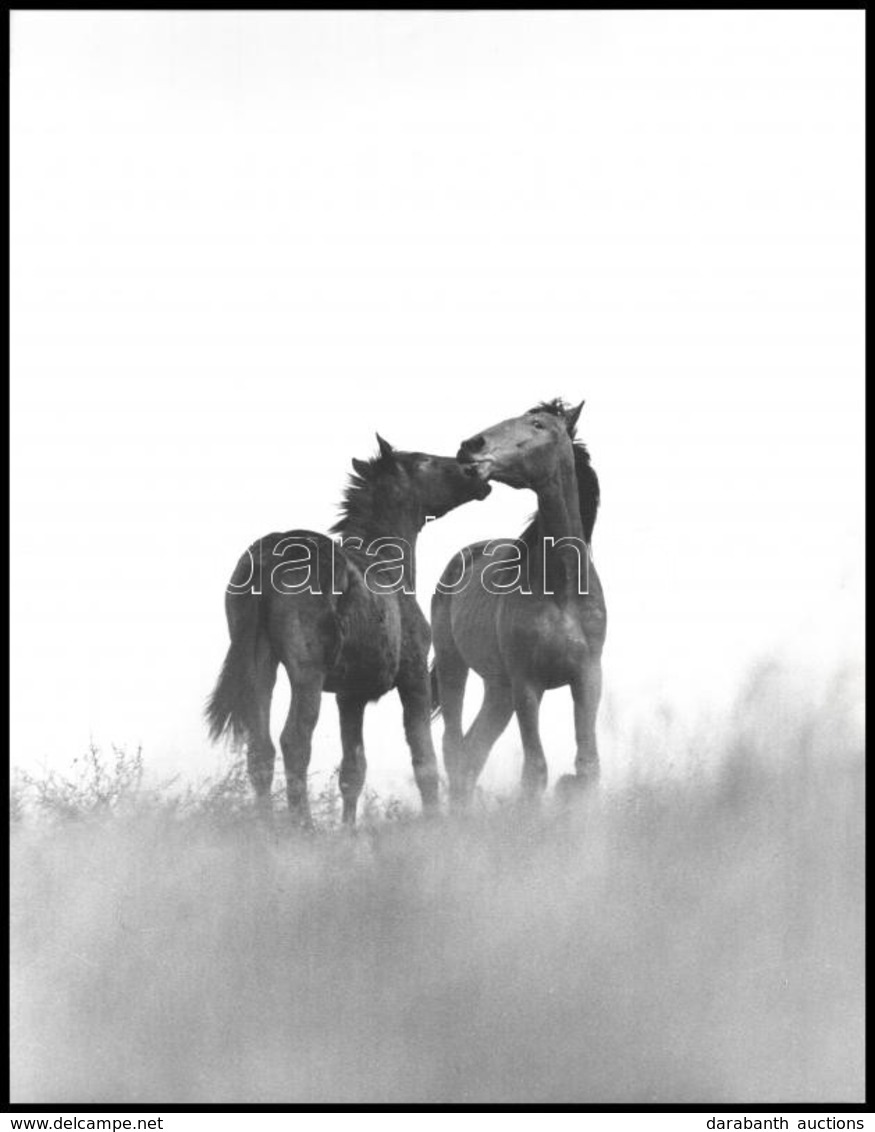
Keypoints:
pixel 260 751
pixel 482 735
pixel 527 702
pixel 296 741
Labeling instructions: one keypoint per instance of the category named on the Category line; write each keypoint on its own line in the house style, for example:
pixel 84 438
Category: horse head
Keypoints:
pixel 522 451
pixel 431 485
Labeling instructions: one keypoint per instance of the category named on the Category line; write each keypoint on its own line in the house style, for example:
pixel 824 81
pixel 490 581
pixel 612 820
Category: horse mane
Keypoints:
pixel 587 480
pixel 358 505
pixel 557 408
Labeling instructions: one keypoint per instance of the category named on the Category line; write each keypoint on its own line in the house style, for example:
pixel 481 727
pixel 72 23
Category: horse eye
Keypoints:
pixel 537 424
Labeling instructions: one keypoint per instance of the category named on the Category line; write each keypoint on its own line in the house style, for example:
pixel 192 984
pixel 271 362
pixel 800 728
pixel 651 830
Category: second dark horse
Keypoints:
pixel 340 616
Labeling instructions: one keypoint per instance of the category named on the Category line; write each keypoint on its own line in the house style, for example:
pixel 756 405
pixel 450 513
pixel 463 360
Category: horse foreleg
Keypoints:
pixel 587 692
pixel 353 766
pixel 415 694
pixel 527 703
pixel 296 742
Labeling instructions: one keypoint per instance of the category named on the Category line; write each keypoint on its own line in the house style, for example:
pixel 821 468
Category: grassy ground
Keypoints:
pixel 687 938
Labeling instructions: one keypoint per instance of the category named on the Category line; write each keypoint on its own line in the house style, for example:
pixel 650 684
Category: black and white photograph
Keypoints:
pixel 437 558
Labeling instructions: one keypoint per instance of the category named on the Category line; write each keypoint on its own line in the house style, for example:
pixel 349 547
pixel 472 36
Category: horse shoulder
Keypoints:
pixel 415 627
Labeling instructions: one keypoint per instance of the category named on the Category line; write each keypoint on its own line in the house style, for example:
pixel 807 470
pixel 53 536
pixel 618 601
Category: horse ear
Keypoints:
pixel 386 449
pixel 571 417
pixel 361 466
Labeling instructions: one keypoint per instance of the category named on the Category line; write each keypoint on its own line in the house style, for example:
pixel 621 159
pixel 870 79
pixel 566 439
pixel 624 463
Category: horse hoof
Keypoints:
pixel 301 823
pixel 460 801
pixel 570 787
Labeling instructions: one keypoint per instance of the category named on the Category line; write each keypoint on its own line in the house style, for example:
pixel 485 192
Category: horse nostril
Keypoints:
pixel 473 445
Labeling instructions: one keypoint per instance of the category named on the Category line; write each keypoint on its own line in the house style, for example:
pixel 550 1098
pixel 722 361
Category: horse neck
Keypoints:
pixel 559 518
pixel 381 530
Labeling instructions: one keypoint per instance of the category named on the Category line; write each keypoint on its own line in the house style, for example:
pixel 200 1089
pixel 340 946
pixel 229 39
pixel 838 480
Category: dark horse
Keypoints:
pixel 525 614
pixel 340 616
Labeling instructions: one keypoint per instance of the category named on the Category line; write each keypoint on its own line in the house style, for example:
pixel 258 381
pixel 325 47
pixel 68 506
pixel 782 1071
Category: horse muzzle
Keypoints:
pixel 474 465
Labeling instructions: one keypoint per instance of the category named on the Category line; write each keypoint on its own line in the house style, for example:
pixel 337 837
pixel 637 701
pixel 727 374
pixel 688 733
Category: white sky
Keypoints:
pixel 242 242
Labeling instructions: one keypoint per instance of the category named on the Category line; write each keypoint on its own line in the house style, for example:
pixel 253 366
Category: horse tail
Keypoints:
pixel 232 705
pixel 435 690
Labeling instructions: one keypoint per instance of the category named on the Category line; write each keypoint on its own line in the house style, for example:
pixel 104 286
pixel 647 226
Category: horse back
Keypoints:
pixel 322 618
